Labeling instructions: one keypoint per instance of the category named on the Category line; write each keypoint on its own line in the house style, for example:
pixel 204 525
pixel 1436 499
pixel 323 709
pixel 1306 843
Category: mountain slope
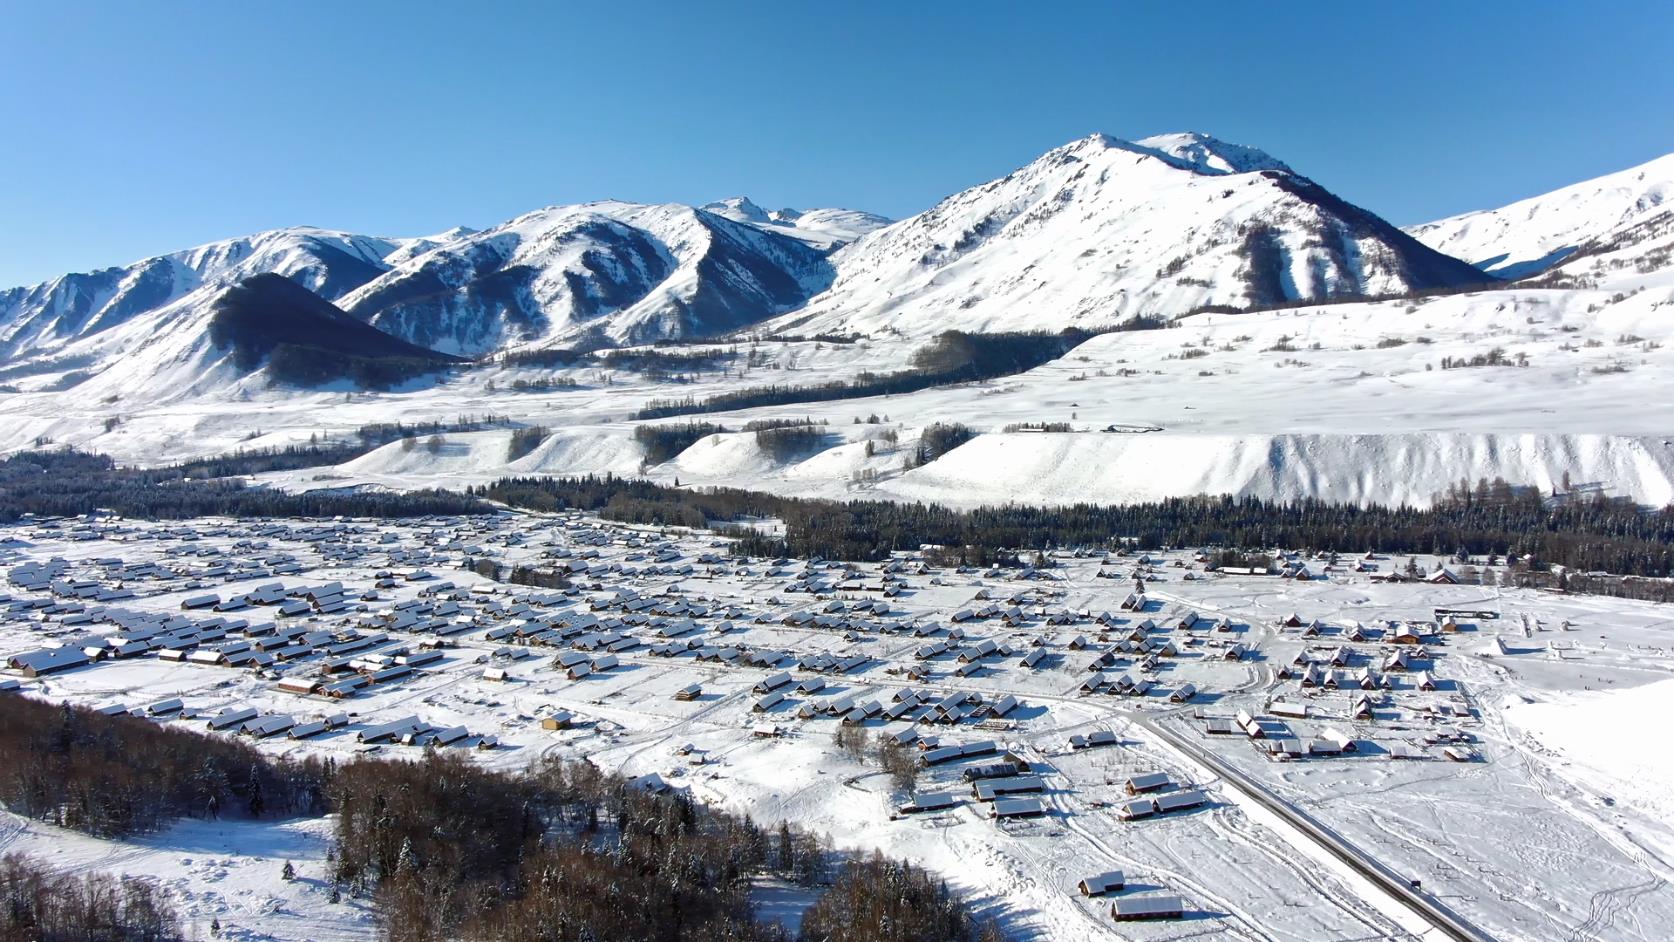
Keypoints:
pixel 46 317
pixel 595 273
pixel 306 340
pixel 1635 256
pixel 1532 235
pixel 1102 230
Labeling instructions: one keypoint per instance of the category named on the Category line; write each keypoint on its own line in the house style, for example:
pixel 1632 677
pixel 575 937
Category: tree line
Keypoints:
pixel 663 442
pixel 951 357
pixel 67 483
pixel 116 776
pixel 1611 536
pixel 38 904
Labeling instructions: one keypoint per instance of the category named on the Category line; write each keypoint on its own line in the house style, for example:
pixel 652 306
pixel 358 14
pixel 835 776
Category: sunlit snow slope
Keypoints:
pixel 1103 230
pixel 1531 235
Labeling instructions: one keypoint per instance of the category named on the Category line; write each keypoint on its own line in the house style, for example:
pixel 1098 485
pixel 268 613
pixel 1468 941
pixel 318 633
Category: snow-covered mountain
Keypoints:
pixel 822 228
pixel 1090 234
pixel 224 340
pixel 1532 235
pixel 1102 230
pixel 1631 258
pixel 604 272
pixel 49 316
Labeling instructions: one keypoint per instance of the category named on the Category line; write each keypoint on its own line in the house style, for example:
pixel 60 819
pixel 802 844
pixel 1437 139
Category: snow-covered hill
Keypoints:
pixel 1532 235
pixel 822 228
pixel 605 272
pixel 45 318
pixel 1635 256
pixel 1103 230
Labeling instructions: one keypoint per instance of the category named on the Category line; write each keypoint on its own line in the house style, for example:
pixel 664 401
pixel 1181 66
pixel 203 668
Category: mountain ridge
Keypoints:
pixel 1091 233
pixel 1102 230
pixel 1531 235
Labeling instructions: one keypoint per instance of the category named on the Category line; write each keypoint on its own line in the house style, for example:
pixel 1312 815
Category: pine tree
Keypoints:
pixel 787 851
pixel 258 803
pixel 406 861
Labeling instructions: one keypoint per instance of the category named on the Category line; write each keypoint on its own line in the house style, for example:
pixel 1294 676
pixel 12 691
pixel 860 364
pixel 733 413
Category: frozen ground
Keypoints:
pixel 1546 832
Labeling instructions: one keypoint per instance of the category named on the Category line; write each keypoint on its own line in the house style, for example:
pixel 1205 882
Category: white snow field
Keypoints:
pixel 1549 822
pixel 1607 738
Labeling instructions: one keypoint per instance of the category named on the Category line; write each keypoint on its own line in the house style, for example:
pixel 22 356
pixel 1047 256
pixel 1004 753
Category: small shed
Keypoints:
pixel 1149 782
pixel 1136 809
pixel 1018 808
pixel 1111 881
pixel 1136 908
pixel 1180 801
pixel 935 801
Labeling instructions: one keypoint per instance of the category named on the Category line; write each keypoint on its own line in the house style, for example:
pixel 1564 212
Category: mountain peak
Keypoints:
pixel 1100 230
pixel 824 229
pixel 1207 154
pixel 738 209
pixel 1187 150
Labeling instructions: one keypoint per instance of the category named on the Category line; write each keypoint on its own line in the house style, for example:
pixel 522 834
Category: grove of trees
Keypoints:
pixel 446 848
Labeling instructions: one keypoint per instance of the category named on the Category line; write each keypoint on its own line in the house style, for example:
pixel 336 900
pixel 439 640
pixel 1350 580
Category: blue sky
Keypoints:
pixel 133 129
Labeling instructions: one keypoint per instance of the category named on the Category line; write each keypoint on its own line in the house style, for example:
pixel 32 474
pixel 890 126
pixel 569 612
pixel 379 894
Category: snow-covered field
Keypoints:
pixel 1344 402
pixel 1554 826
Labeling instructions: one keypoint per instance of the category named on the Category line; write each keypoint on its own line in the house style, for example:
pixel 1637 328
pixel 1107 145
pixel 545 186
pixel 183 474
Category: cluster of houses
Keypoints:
pixel 248 721
pixel 1155 793
pixel 1005 785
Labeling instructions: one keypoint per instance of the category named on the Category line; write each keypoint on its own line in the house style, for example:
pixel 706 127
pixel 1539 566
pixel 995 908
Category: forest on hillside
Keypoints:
pixel 951 357
pixel 447 849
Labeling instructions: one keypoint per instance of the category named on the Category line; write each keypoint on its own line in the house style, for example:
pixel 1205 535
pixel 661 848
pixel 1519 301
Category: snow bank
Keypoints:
pixel 735 458
pixel 1614 741
pixel 1108 468
pixel 454 454
pixel 1406 468
pixel 584 451
pixel 724 456
pixel 566 451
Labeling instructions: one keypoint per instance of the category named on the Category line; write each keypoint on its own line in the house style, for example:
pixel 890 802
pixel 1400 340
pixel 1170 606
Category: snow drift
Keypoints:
pixel 1408 468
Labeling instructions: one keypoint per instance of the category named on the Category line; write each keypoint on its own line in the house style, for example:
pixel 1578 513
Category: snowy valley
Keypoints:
pixel 1142 737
